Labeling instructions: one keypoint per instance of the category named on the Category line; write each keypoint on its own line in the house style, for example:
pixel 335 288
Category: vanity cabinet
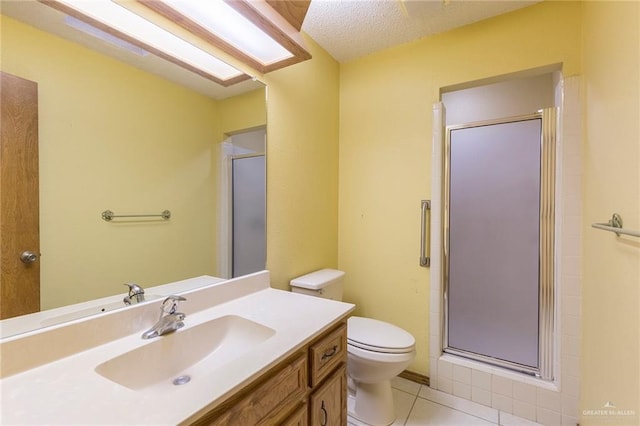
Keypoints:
pixel 308 388
pixel 267 401
pixel 328 379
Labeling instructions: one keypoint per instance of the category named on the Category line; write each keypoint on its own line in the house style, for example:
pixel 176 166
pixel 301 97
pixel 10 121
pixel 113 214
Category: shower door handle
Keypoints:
pixel 425 250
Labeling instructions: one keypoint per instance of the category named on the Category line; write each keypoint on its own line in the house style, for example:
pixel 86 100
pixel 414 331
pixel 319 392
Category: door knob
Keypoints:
pixel 28 257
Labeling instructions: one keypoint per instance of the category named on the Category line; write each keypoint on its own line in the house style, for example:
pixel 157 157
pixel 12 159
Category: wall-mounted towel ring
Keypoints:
pixel 615 225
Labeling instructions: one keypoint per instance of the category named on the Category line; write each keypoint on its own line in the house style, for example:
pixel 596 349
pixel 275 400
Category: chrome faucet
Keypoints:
pixel 170 320
pixel 136 294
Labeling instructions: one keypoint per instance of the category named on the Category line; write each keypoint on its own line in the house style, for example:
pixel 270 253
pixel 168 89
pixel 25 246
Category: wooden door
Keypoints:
pixel 19 200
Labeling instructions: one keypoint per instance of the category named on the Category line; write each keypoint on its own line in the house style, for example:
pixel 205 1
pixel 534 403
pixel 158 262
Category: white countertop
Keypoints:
pixel 68 390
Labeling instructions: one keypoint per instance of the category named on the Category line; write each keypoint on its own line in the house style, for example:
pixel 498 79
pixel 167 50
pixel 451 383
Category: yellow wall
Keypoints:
pixel 242 112
pixel 611 268
pixel 385 148
pixel 302 167
pixel 113 137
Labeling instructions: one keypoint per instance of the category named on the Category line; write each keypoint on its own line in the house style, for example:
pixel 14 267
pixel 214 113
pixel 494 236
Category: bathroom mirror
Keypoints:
pixel 117 134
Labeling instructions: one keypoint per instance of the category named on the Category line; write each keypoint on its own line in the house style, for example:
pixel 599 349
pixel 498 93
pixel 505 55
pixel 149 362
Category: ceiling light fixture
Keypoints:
pixel 249 30
pixel 103 35
pixel 226 23
pixel 122 23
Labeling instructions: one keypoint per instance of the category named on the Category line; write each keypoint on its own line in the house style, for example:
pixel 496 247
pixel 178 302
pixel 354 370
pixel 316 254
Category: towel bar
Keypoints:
pixel 108 215
pixel 615 225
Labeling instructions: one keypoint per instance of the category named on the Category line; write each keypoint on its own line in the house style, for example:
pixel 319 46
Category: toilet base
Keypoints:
pixel 372 403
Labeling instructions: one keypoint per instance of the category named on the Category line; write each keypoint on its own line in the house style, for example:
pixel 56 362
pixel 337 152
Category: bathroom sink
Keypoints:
pixel 185 355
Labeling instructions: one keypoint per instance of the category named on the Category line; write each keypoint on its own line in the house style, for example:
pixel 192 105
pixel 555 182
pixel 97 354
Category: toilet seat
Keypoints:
pixel 378 336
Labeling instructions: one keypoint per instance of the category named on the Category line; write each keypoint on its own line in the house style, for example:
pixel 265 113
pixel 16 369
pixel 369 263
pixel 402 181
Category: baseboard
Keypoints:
pixel 415 377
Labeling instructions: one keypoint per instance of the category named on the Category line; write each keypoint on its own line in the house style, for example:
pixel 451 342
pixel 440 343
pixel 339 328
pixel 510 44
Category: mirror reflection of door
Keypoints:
pixel 243 212
pixel 19 199
pixel 248 214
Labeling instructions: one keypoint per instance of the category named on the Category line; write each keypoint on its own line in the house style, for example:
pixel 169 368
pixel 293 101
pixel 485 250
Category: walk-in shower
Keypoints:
pixel 498 238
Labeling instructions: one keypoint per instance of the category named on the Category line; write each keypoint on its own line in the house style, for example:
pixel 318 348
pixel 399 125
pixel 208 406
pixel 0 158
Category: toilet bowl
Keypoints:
pixel 376 352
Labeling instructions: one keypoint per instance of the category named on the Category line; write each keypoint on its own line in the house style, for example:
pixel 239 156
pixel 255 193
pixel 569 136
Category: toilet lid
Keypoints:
pixel 378 336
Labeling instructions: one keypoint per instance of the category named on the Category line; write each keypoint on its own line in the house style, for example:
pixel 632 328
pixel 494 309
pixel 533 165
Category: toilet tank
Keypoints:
pixel 325 283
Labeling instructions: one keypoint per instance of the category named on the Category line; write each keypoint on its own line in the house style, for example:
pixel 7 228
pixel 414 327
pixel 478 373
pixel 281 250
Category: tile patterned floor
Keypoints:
pixel 418 405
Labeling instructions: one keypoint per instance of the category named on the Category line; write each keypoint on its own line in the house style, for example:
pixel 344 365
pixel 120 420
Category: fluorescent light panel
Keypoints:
pixel 126 22
pixel 103 35
pixel 229 25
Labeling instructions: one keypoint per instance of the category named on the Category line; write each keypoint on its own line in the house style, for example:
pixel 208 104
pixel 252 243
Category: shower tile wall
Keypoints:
pixel 543 402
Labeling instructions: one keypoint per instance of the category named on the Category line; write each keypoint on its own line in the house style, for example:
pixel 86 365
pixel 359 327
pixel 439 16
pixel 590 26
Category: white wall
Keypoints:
pixel 509 98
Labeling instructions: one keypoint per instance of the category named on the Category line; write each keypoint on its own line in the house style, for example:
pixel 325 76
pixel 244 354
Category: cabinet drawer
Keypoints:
pixel 328 404
pixel 267 402
pixel 326 354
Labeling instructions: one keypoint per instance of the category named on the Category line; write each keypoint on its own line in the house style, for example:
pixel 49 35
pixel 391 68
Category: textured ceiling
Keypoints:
pixel 348 29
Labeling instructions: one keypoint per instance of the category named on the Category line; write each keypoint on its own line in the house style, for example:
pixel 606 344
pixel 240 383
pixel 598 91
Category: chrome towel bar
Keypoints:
pixel 615 225
pixel 108 215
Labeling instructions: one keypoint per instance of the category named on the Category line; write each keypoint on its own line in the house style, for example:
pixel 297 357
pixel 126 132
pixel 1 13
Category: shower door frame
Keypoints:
pixel 546 245
pixel 234 214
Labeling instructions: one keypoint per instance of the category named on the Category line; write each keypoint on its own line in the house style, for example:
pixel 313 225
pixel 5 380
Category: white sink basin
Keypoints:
pixel 192 351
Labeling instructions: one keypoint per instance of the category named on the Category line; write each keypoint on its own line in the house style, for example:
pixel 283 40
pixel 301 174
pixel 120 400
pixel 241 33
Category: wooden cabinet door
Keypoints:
pixel 328 404
pixel 298 418
pixel 19 199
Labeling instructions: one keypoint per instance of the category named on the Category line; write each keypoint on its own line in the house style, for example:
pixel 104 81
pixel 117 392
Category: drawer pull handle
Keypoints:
pixel 330 353
pixel 325 415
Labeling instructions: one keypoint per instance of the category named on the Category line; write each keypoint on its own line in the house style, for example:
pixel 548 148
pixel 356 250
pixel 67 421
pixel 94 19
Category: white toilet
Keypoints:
pixel 376 352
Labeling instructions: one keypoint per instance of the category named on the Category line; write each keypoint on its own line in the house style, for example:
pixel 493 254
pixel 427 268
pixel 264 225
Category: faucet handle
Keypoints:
pixel 136 294
pixel 134 289
pixel 170 304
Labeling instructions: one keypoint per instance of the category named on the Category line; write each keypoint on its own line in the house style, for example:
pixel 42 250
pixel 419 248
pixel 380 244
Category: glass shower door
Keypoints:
pixel 498 201
pixel 248 211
